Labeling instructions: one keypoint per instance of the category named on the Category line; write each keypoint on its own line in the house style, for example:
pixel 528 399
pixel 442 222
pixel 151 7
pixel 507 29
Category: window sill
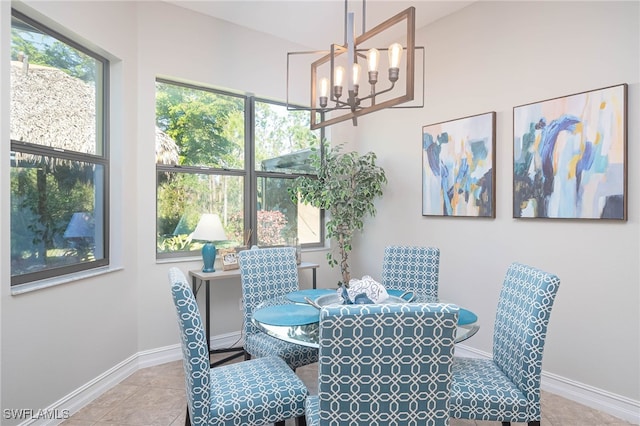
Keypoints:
pixel 178 259
pixel 51 282
pixel 198 258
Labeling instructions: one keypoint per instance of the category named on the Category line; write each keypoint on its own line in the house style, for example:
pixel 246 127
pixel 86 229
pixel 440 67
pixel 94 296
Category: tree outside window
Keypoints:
pixel 210 171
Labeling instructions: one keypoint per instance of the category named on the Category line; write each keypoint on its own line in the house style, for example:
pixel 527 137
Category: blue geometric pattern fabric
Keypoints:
pixel 507 387
pixel 255 392
pixel 412 269
pixel 267 275
pixel 384 365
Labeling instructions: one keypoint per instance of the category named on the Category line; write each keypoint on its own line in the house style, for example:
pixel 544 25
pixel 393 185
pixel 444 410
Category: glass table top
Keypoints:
pixel 299 323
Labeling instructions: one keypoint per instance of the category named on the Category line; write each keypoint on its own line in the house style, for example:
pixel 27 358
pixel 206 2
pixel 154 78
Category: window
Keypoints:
pixel 235 156
pixel 59 155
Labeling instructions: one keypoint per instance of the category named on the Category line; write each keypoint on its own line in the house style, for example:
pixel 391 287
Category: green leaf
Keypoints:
pixel 346 187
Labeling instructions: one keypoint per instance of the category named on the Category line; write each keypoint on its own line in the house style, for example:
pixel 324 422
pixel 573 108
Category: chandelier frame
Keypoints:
pixel 352 107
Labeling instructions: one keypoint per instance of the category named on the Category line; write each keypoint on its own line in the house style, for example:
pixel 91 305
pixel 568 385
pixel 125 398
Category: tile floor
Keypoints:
pixel 155 396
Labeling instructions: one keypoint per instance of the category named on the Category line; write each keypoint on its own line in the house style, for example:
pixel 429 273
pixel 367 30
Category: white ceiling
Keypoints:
pixel 316 24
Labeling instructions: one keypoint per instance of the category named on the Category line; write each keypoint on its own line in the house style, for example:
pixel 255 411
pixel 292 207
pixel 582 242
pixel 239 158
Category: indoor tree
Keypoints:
pixel 346 186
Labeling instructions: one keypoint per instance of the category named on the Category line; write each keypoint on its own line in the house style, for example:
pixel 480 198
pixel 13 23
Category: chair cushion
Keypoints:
pixel 481 391
pixel 261 344
pixel 258 391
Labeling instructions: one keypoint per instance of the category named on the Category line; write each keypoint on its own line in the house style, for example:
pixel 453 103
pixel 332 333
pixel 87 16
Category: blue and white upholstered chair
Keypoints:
pixel 506 388
pixel 413 269
pixel 267 275
pixel 256 392
pixel 383 365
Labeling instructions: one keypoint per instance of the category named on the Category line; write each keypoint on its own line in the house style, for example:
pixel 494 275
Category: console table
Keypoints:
pixel 205 278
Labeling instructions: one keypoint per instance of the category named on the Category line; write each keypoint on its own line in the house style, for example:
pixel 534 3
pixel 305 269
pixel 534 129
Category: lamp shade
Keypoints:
pixel 209 229
pixel 81 225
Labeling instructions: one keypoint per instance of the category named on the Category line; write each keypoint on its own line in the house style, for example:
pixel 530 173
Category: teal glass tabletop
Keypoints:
pixel 287 315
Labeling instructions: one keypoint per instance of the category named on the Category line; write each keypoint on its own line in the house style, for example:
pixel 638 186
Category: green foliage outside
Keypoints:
pixel 279 133
pixel 43 199
pixel 209 130
pixel 346 187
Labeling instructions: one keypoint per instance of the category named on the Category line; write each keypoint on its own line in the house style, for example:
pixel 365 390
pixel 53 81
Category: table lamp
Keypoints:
pixel 81 225
pixel 209 229
pixel 81 233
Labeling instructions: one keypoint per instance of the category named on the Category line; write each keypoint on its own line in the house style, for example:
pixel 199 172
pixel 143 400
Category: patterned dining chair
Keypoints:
pixel 267 275
pixel 386 364
pixel 506 388
pixel 415 269
pixel 256 392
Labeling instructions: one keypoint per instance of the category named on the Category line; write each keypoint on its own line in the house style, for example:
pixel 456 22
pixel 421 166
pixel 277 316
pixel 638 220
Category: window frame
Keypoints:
pixel 103 159
pixel 249 173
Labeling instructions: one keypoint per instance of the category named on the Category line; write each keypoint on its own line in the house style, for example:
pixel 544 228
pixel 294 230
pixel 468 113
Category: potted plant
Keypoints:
pixel 346 186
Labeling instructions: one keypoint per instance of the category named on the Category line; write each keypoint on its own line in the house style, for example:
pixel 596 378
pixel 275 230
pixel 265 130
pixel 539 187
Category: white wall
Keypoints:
pixel 488 57
pixel 493 56
pixel 57 339
pixel 178 44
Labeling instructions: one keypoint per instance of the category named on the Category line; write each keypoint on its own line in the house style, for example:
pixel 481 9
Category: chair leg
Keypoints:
pixel 247 356
pixel 281 423
pixel 187 419
pixel 301 421
pixel 534 423
pixel 506 423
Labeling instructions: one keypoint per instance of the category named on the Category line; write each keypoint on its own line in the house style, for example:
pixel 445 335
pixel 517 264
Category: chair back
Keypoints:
pixel 524 307
pixel 412 268
pixel 267 273
pixel 195 353
pixel 386 364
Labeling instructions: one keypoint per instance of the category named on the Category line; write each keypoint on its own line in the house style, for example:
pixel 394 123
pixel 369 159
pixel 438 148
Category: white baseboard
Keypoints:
pixel 610 403
pixel 73 402
pixel 171 353
pixel 598 399
pixel 84 395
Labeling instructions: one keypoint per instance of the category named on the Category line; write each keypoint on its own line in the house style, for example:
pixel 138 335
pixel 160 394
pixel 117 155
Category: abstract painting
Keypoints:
pixel 569 156
pixel 458 158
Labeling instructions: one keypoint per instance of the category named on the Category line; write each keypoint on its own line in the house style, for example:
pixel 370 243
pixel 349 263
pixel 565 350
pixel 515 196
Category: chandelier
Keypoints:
pixel 355 79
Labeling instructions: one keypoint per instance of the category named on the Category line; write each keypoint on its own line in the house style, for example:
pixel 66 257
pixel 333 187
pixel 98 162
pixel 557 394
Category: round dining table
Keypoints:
pixel 295 320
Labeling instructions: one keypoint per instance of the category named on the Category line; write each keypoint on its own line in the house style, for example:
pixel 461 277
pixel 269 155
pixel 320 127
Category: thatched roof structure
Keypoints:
pixel 54 109
pixel 166 148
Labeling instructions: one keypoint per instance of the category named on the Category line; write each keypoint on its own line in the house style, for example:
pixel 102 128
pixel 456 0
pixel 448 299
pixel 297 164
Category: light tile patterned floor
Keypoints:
pixel 155 397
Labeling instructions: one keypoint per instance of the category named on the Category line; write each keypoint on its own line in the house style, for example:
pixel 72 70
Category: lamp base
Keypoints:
pixel 208 257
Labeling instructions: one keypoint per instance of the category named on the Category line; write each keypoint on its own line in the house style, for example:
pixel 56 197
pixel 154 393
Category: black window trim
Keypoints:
pixel 104 160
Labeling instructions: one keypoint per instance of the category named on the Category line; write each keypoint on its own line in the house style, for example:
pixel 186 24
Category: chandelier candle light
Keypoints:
pixel 209 229
pixel 353 100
